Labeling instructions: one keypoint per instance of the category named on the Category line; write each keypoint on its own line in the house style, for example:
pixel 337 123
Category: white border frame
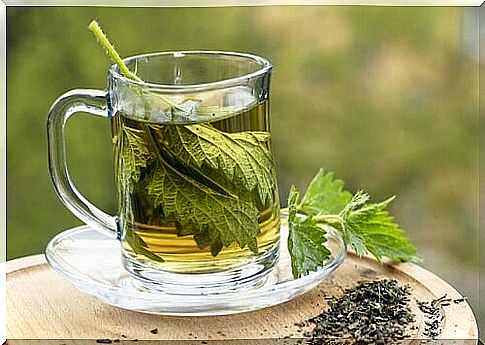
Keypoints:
pixel 175 3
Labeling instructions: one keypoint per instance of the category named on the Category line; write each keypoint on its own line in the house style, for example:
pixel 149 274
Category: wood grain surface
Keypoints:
pixel 40 304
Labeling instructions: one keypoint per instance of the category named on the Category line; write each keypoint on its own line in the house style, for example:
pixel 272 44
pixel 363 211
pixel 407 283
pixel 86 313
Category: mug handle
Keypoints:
pixel 93 102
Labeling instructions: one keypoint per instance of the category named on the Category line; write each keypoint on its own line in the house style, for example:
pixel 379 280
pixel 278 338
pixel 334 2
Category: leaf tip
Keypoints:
pixel 389 200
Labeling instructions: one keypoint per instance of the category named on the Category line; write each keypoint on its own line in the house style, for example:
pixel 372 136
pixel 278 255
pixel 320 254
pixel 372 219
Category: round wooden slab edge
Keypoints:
pixel 459 316
pixel 25 262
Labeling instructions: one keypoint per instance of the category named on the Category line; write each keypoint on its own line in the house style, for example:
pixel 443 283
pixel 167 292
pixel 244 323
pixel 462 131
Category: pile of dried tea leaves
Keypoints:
pixel 433 314
pixel 375 312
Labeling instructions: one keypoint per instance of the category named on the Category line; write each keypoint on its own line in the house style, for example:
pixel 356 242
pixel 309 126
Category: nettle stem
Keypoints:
pixel 330 219
pixel 111 51
pixel 113 54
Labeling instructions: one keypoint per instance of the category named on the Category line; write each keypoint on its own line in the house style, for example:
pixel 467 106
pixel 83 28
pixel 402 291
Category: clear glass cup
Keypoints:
pixel 198 204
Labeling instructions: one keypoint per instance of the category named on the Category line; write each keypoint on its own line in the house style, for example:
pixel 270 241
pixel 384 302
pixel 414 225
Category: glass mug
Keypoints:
pixel 198 200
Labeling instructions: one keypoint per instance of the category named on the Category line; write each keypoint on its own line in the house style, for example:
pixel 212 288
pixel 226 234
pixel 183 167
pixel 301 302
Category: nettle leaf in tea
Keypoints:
pixel 134 154
pixel 212 185
pixel 213 218
pixel 242 158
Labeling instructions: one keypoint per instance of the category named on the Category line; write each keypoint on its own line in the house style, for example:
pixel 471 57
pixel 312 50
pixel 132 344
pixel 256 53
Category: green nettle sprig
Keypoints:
pixel 366 227
pixel 228 168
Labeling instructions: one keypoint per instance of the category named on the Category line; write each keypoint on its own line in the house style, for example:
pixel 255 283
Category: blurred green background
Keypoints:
pixel 386 97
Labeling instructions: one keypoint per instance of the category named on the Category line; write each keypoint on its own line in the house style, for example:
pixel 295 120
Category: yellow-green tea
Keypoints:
pixel 197 197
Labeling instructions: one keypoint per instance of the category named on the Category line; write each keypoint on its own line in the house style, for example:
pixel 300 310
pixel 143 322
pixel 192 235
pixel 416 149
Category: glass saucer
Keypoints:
pixel 92 263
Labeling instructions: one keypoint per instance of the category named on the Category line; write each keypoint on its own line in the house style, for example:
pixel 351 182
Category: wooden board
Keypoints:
pixel 40 304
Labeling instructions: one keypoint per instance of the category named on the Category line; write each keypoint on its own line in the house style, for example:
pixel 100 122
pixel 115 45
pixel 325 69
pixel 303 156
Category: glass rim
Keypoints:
pixel 265 67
